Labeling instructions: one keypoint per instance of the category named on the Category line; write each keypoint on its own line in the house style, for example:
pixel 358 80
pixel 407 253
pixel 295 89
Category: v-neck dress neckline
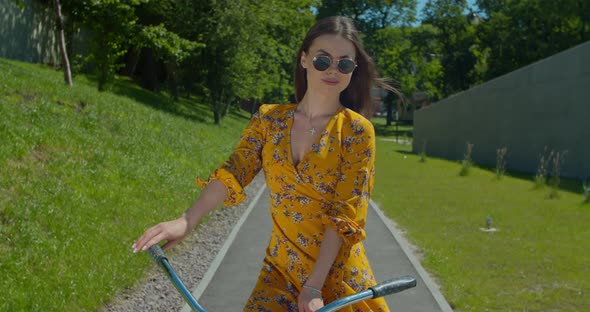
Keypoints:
pixel 317 140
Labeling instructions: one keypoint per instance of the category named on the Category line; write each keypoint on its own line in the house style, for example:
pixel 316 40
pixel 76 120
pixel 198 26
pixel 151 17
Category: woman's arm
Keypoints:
pixel 328 252
pixel 176 230
pixel 225 185
pixel 310 297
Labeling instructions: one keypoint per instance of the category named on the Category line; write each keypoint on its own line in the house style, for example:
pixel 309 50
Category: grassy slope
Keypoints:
pixel 82 174
pixel 538 261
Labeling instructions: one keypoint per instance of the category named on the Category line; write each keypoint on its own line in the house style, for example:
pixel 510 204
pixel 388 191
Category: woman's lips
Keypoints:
pixel 330 82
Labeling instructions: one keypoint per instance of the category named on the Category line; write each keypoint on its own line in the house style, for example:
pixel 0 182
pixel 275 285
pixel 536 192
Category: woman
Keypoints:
pixel 317 156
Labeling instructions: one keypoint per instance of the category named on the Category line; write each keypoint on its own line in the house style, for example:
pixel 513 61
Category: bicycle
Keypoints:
pixel 383 289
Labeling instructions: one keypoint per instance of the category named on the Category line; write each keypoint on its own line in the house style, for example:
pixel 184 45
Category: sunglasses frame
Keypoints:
pixel 316 58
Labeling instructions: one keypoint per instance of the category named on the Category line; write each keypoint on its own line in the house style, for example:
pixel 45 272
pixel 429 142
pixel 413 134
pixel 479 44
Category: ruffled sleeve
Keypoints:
pixel 348 212
pixel 243 164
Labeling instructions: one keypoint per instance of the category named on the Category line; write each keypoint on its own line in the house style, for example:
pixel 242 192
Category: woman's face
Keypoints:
pixel 330 80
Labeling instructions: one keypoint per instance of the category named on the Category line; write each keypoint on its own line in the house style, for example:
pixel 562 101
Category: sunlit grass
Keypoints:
pixel 82 174
pixel 536 261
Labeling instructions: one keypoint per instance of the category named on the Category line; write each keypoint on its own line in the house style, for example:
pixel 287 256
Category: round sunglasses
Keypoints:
pixel 323 62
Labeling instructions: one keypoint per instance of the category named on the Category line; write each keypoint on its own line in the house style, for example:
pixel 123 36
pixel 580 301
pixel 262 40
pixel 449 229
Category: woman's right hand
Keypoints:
pixel 172 232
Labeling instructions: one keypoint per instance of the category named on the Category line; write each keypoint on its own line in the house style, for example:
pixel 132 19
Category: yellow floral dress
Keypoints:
pixel 329 187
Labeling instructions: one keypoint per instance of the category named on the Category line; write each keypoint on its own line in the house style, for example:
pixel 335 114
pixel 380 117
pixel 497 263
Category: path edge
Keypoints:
pixel 405 246
pixel 221 254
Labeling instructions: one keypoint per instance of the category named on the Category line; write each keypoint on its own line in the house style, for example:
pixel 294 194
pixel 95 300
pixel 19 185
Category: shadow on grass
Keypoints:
pixel 393 131
pixel 565 184
pixel 160 101
pixel 182 107
pixel 240 113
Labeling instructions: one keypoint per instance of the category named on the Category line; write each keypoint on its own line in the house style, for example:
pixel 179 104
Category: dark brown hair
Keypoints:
pixel 357 96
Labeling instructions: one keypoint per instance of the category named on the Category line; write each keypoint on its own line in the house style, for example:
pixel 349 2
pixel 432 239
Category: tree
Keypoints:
pixel 62 43
pixel 112 27
pixel 249 47
pixel 517 33
pixel 170 48
pixel 409 55
pixel 457 39
pixel 371 15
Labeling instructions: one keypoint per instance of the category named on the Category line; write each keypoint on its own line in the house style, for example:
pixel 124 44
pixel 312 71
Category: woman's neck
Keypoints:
pixel 316 105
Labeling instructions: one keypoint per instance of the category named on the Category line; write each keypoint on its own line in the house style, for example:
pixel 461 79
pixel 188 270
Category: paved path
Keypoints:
pixel 233 274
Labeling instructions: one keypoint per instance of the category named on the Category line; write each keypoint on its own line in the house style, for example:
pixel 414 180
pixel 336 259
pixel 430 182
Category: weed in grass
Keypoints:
pixel 423 152
pixel 541 175
pixel 501 162
pixel 556 162
pixel 466 163
pixel 586 190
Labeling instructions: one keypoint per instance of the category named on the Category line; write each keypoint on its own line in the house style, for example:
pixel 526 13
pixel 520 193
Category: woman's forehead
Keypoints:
pixel 334 45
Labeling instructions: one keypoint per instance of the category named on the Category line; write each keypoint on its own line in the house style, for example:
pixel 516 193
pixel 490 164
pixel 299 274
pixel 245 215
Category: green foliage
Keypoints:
pixel 166 44
pixel 83 174
pixel 20 3
pixel 518 33
pixel 247 56
pixel 408 55
pixel 456 38
pixel 372 15
pixel 112 26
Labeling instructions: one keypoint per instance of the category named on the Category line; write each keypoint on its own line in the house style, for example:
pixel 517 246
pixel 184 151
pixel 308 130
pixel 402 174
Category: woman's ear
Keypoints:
pixel 303 60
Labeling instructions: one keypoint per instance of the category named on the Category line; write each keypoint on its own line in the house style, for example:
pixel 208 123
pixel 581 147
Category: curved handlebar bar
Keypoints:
pixel 393 286
pixel 383 289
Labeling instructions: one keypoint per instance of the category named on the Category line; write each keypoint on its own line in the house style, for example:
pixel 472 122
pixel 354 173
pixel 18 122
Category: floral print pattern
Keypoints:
pixel 329 187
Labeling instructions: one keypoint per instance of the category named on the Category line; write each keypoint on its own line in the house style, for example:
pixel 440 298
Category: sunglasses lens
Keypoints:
pixel 346 66
pixel 321 63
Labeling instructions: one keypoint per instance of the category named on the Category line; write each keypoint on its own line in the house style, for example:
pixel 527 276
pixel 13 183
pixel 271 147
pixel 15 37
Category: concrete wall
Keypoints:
pixel 28 35
pixel 544 104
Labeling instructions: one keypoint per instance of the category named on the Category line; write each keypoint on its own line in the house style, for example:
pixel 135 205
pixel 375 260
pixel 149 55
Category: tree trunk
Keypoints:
pixel 149 70
pixel 132 60
pixel 216 114
pixel 216 107
pixel 62 43
pixel 389 116
pixel 172 72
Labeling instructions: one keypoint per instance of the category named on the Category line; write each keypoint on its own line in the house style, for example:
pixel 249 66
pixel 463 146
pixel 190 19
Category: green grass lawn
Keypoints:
pixel 83 174
pixel 539 260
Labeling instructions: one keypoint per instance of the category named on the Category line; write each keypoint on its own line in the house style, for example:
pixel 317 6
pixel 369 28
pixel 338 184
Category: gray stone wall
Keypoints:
pixel 28 35
pixel 545 104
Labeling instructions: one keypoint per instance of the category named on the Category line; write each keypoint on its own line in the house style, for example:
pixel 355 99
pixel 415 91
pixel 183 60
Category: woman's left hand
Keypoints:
pixel 308 302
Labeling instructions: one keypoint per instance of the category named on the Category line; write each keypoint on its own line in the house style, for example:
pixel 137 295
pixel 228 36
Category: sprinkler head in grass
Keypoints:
pixel 488 227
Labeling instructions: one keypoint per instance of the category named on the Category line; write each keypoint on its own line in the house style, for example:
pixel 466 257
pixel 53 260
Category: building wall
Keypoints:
pixel 545 104
pixel 28 35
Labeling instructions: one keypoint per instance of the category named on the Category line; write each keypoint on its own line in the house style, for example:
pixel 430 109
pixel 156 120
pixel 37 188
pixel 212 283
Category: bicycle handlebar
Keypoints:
pixel 393 286
pixel 386 288
pixel 158 254
pixel 383 289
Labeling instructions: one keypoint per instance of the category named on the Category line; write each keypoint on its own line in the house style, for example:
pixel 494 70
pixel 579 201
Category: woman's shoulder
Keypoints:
pixel 274 109
pixel 356 123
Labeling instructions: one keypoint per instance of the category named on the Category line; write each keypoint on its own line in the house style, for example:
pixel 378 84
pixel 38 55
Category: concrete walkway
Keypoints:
pixel 227 285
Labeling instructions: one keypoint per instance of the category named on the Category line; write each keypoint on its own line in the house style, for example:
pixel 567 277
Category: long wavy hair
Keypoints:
pixel 357 96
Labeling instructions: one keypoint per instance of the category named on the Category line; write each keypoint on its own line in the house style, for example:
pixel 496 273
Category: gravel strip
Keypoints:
pixel 190 260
